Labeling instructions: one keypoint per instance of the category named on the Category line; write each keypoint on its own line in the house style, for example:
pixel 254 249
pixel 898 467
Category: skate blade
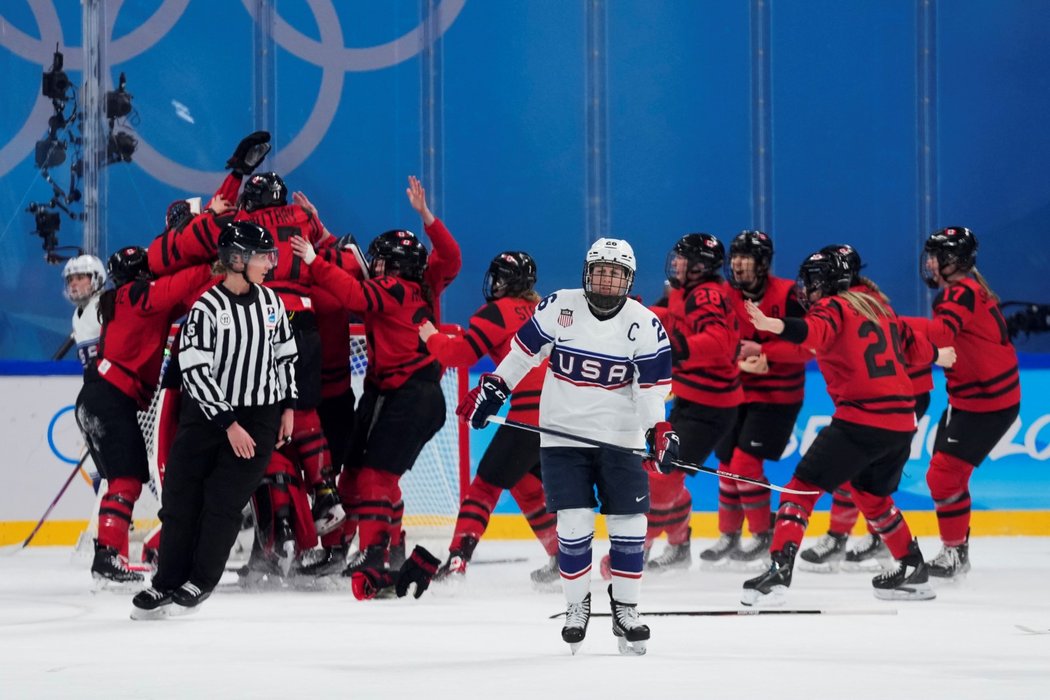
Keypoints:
pixel 141 615
pixel 183 610
pixel 105 585
pixel 631 648
pixel 826 567
pixel 918 591
pixel 776 597
pixel 547 586
pixel 668 571
pixel 575 647
pixel 868 566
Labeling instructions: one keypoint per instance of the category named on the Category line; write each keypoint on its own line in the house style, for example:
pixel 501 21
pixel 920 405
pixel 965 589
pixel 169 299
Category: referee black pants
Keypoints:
pixel 206 486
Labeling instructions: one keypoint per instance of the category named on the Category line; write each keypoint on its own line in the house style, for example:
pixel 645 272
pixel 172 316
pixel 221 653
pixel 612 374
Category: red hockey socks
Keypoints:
pixel 844 511
pixel 730 512
pixel 793 515
pixel 114 513
pixel 377 492
pixel 528 494
pixel 475 511
pixel 949 480
pixel 887 521
pixel 754 500
pixel 670 506
pixel 311 448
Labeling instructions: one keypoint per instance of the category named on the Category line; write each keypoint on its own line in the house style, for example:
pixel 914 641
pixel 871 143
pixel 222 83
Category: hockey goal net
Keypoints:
pixel 431 490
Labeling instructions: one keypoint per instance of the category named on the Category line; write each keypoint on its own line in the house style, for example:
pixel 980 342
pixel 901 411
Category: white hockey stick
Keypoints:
pixel 645 455
pixel 748 613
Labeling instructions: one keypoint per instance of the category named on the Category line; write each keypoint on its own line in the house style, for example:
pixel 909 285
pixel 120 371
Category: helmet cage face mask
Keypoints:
pixel 511 273
pixel 240 241
pixel 605 252
pixel 83 265
pixel 755 246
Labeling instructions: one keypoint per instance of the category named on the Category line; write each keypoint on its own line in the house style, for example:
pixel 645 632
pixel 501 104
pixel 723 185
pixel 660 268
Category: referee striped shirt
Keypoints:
pixel 238 350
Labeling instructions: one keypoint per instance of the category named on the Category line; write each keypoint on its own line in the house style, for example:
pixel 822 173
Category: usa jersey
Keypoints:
pixel 492 327
pixel 786 379
pixel 87 330
pixel 966 317
pixel 709 376
pixel 864 363
pixel 607 379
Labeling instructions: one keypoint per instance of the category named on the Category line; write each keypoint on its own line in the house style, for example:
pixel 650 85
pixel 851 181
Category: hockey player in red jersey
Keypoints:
pixel 773 386
pixel 862 350
pixel 704 335
pixel 402 406
pixel 984 390
pixel 512 460
pixel 136 315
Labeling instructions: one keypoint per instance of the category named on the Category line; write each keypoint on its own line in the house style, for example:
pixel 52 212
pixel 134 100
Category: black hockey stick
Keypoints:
pixel 51 507
pixel 748 613
pixel 645 455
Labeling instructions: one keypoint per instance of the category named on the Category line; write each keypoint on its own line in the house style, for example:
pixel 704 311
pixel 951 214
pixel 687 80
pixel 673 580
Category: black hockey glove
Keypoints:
pixel 249 153
pixel 367 582
pixel 484 400
pixel 418 569
pixel 662 443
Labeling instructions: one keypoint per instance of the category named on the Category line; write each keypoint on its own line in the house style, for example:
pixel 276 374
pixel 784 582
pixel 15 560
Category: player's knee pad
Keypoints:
pixel 947 475
pixel 576 523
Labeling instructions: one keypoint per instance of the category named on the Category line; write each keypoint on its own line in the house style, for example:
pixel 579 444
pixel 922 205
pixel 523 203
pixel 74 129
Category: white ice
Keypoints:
pixel 491 638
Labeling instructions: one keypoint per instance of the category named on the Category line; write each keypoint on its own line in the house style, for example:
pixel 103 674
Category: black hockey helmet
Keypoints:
pixel 512 272
pixel 240 240
pixel 754 244
pixel 849 254
pixel 179 212
pixel 704 255
pixel 263 190
pixel 403 254
pixel 954 247
pixel 828 273
pixel 127 265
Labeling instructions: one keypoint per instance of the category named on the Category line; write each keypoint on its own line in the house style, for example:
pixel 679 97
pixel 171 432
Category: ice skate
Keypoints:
pixel 868 553
pixel 547 577
pixel 755 555
pixel 110 570
pixel 909 581
pixel 284 545
pixel 631 635
pixel 186 599
pixel 674 557
pixel 718 554
pixel 826 556
pixel 328 562
pixel 150 604
pixel 397 552
pixel 456 567
pixel 577 615
pixel 327 511
pixel 951 563
pixel 770 588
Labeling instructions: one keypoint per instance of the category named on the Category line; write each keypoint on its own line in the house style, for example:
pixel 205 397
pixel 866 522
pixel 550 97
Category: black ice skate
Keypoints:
pixel 826 556
pixel 909 581
pixel 150 604
pixel 397 552
pixel 770 588
pixel 577 615
pixel 329 562
pixel 631 635
pixel 951 562
pixel 327 510
pixel 674 557
pixel 718 553
pixel 187 598
pixel 373 557
pixel 109 567
pixel 868 552
pixel 456 566
pixel 284 545
pixel 756 553
pixel 548 576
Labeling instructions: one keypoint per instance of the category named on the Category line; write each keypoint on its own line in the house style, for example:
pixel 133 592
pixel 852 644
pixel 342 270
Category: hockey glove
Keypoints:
pixel 367 582
pixel 679 347
pixel 249 153
pixel 484 400
pixel 418 569
pixel 662 443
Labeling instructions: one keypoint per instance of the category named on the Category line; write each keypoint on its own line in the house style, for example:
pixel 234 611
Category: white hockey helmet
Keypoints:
pixel 83 265
pixel 608 251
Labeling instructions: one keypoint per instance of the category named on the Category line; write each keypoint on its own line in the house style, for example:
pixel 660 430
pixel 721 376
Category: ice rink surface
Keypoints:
pixel 491 638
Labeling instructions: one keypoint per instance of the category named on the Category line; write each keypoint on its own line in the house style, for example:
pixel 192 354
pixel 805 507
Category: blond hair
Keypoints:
pixel 867 305
pixel 870 284
pixel 984 284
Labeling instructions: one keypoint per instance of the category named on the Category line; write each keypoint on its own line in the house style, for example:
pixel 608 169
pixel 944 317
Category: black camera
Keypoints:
pixel 1034 318
pixel 120 147
pixel 118 102
pixel 50 152
pixel 47 223
pixel 55 83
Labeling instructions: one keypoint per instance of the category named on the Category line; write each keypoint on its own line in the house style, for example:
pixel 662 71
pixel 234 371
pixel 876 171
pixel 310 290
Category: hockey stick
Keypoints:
pixel 61 491
pixel 645 455
pixel 747 613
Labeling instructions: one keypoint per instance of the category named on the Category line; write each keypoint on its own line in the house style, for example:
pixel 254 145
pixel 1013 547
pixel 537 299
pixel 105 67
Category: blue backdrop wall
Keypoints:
pixel 543 124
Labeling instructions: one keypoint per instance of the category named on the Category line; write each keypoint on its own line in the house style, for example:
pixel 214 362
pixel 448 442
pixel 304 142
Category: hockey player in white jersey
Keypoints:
pixel 84 277
pixel 610 370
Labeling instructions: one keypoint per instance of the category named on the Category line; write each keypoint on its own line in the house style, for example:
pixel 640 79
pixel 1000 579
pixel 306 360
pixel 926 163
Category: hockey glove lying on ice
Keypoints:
pixel 367 582
pixel 662 443
pixel 484 400
pixel 249 153
pixel 418 569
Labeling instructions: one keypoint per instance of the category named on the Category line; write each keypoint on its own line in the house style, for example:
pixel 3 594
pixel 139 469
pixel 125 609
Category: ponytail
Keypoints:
pixel 876 292
pixel 867 305
pixel 984 285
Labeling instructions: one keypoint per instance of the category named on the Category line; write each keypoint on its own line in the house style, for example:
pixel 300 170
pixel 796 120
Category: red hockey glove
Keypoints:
pixel 249 153
pixel 484 400
pixel 418 569
pixel 662 443
pixel 367 582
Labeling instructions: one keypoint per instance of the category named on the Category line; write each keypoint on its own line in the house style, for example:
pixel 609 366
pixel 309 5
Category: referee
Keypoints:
pixel 237 356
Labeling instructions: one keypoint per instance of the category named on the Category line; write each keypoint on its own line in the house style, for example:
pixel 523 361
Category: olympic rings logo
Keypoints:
pixel 329 53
